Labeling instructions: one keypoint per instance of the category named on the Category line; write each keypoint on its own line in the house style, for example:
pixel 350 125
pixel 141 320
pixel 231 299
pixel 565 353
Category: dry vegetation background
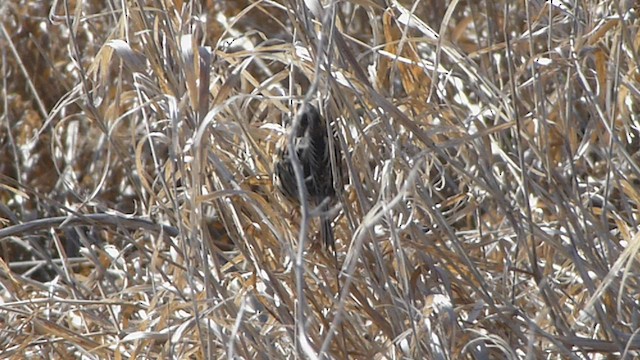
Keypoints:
pixel 492 209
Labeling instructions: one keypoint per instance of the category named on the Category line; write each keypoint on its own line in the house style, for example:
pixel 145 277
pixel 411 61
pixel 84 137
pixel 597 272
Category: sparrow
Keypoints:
pixel 312 145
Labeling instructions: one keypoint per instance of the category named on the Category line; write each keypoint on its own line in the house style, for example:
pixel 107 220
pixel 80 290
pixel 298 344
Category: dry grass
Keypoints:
pixel 492 209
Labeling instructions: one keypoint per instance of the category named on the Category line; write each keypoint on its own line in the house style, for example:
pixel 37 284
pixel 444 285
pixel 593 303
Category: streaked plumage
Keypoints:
pixel 312 147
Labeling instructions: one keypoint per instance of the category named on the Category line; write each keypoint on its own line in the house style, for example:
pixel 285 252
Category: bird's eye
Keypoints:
pixel 304 121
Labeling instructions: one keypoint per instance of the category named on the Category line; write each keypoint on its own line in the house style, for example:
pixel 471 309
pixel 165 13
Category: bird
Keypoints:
pixel 312 145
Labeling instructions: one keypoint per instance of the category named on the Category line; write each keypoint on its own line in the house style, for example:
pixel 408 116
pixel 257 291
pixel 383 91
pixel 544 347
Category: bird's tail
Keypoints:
pixel 326 230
